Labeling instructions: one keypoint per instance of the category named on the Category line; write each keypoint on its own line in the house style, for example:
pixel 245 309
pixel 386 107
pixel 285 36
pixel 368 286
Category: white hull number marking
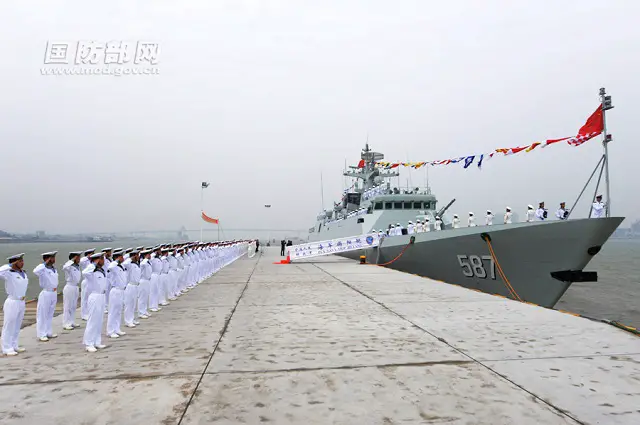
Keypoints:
pixel 474 266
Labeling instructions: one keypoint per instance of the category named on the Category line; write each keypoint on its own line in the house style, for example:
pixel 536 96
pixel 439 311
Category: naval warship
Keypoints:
pixel 531 261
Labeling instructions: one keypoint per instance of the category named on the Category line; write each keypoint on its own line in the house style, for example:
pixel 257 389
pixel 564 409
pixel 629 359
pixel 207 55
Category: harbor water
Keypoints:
pixel 614 297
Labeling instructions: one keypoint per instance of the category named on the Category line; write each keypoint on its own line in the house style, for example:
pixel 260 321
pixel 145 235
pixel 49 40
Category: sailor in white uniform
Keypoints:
pixel 143 288
pixel 15 285
pixel 488 221
pixel 455 222
pixel 530 213
pixel 438 223
pixel 399 229
pixel 508 216
pixel 562 213
pixel 410 228
pixel 471 222
pixel 48 297
pixel 107 260
pixel 164 278
pixel 96 286
pixel 173 275
pixel 419 226
pixel 598 208
pixel 391 230
pixel 132 267
pixel 70 292
pixel 541 212
pixel 156 268
pixel 426 225
pixel 84 262
pixel 117 281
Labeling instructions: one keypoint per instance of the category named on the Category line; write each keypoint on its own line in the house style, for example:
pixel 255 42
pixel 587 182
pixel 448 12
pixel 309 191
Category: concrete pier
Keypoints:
pixel 331 342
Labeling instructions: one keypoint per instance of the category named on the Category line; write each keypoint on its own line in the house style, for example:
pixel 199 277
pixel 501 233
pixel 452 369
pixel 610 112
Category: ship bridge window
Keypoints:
pixel 397 205
pixel 378 206
pixel 388 205
pixel 408 205
pixel 417 205
pixel 428 206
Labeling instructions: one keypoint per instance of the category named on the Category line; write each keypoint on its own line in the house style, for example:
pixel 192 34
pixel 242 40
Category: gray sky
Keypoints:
pixel 260 97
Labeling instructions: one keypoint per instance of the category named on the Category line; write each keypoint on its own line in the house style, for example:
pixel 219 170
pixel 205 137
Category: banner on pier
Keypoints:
pixel 332 246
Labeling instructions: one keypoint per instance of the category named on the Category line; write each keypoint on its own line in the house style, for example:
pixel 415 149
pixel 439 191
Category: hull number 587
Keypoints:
pixel 476 266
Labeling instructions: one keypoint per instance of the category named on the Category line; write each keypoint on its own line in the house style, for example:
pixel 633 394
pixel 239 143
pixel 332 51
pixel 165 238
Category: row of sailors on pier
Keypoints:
pixel 540 214
pixel 130 284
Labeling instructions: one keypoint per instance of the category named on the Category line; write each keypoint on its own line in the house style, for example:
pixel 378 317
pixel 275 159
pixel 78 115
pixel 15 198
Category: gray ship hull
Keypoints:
pixel 527 252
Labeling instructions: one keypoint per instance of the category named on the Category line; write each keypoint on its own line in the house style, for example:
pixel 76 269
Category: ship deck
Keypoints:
pixel 331 342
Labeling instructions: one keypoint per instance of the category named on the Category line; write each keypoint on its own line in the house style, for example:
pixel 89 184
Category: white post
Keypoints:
pixel 201 208
pixel 606 104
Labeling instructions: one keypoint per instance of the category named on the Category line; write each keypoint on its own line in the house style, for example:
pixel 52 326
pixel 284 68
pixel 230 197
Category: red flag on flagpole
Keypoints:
pixel 361 163
pixel 209 219
pixel 590 129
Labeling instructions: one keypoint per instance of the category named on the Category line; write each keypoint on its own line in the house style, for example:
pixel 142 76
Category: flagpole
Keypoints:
pixel 606 105
pixel 201 208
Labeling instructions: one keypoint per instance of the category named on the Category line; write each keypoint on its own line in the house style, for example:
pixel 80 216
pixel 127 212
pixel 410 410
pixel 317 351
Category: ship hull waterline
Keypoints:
pixel 527 252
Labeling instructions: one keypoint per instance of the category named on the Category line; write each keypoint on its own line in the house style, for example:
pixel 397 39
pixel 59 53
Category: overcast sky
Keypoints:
pixel 260 97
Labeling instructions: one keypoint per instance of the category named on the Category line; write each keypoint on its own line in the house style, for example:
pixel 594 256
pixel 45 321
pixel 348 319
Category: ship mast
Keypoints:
pixel 368 172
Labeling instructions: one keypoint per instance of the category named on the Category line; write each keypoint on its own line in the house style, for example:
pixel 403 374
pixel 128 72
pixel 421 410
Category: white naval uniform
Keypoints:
pixel 488 220
pixel 410 229
pixel 96 286
pixel 15 285
pixel 438 225
pixel 164 293
pixel 84 263
pixel 455 223
pixel 426 226
pixel 560 213
pixel 47 299
pixel 472 221
pixel 143 288
pixel 107 262
pixel 173 276
pixel 117 281
pixel 70 292
pixel 131 291
pixel 598 209
pixel 540 214
pixel 156 268
pixel 530 215
pixel 507 217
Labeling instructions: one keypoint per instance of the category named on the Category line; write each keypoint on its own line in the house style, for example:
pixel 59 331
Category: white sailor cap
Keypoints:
pixel 134 252
pixel 455 215
pixel 89 251
pixel 118 249
pixel 438 217
pixel 530 206
pixel 96 255
pixel 107 249
pixel 410 222
pixel 118 253
pixel 15 257
pixel 508 208
pixel 488 211
pixel 139 248
pixel 426 219
pixel 49 254
pixel 75 253
pixel 470 213
pixel 145 252
pixel 398 224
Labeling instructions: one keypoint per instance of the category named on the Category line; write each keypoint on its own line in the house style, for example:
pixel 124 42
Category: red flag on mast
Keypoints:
pixel 361 163
pixel 209 219
pixel 590 129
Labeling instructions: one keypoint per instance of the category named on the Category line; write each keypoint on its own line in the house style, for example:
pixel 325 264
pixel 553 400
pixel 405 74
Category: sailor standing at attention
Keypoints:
pixel 143 288
pixel 164 278
pixel 173 275
pixel 562 212
pixel 48 297
pixel 96 285
pixel 438 223
pixel 132 266
pixel 507 216
pixel 472 220
pixel 426 226
pixel 117 281
pixel 70 292
pixel 107 261
pixel 530 213
pixel 455 222
pixel 410 228
pixel 541 212
pixel 84 262
pixel 489 218
pixel 598 208
pixel 156 268
pixel 15 286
